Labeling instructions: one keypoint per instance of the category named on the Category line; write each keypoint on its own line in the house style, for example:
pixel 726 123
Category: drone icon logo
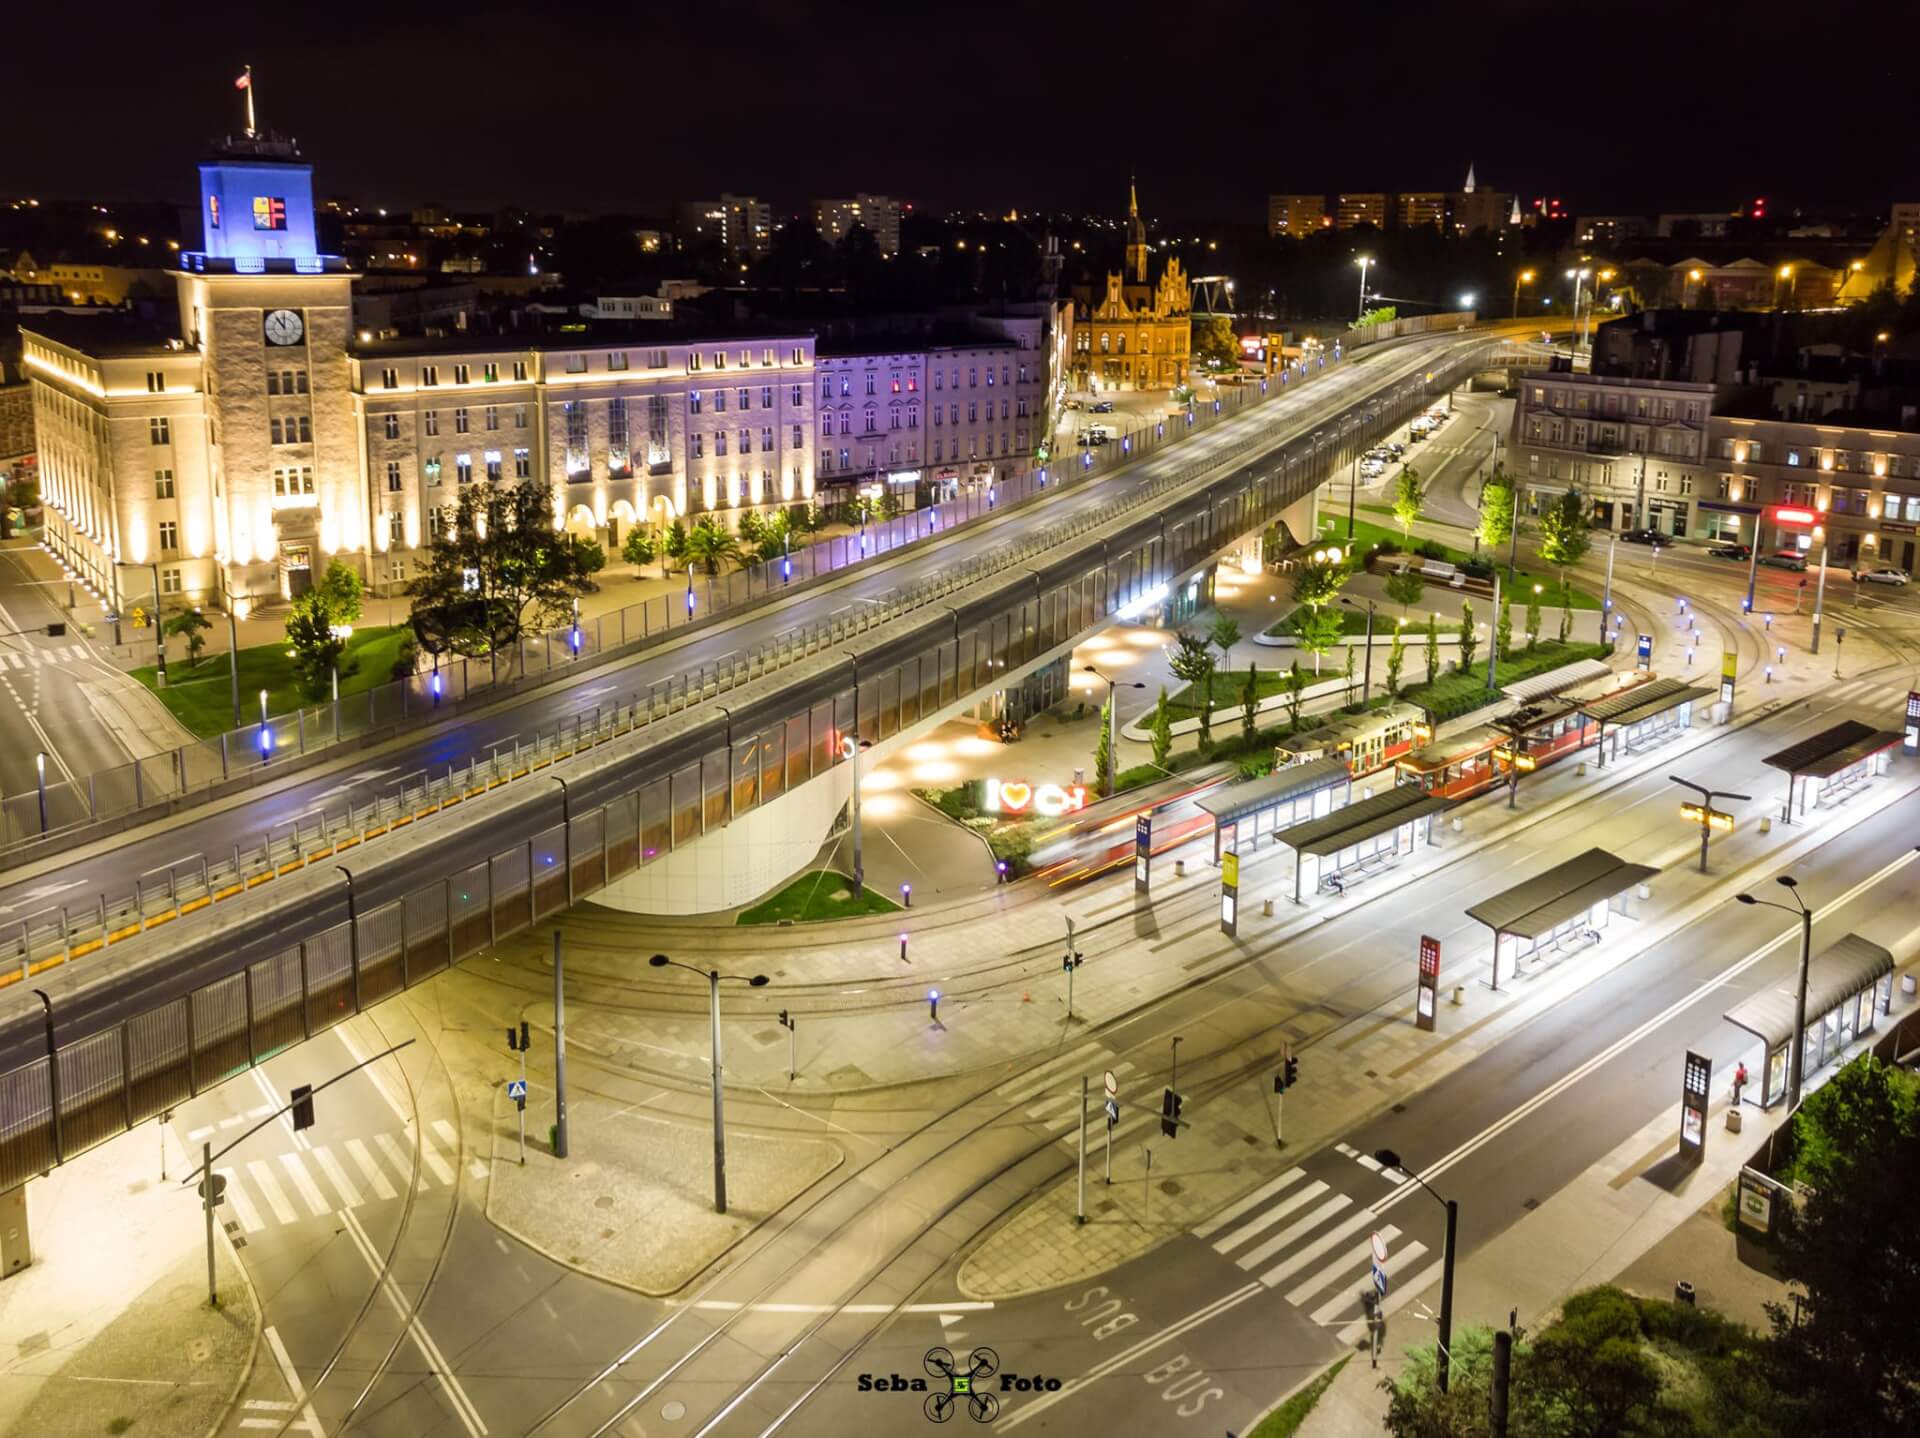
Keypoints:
pixel 983 1405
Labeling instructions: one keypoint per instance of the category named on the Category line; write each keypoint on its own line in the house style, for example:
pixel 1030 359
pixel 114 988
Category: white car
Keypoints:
pixel 1881 576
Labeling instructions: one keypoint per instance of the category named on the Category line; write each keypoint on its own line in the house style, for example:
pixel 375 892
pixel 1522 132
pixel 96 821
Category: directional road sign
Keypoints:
pixel 1380 1279
pixel 1113 1084
pixel 1113 1112
pixel 219 1181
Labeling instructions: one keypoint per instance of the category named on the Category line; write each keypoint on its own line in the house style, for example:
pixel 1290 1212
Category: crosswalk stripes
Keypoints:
pixel 1312 1244
pixel 35 658
pixel 262 1195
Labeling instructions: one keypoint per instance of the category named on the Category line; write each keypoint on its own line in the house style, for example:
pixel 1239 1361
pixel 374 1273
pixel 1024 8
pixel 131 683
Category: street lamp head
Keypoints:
pixel 1526 277
pixel 659 961
pixel 1386 1158
pixel 1787 881
pixel 1745 899
pixel 758 981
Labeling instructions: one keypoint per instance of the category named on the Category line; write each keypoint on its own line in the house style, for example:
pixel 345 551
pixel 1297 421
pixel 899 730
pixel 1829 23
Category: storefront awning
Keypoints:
pixel 1835 975
pixel 1540 904
pixel 1359 822
pixel 1238 800
pixel 1630 706
pixel 1832 750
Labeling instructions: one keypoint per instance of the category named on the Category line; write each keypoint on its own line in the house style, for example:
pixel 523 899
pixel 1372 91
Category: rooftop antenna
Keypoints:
pixel 245 82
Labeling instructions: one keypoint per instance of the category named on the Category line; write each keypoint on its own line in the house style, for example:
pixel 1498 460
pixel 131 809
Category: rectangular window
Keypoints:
pixel 826 386
pixel 576 363
pixel 432 469
pixel 658 455
pixel 436 524
pixel 617 425
pixel 719 442
pixel 463 468
pixel 160 431
pixel 519 416
pixel 169 536
pixel 460 421
pixel 693 401
pixel 156 382
pixel 766 437
pixel 617 360
pixel 699 442
pixel 719 401
pixel 799 437
pixel 870 379
pixel 519 371
pixel 396 530
pixel 431 421
pixel 745 398
pixel 389 379
pixel 170 580
pixel 462 374
pixel 490 371
pixel 576 412
pixel 493 416
pixel 522 465
pixel 766 397
pixel 273 431
pixel 163 484
pixel 794 396
pixel 656 359
pixel 493 464
pixel 393 476
pixel 390 423
pixel 799 356
pixel 973 412
pixel 273 382
pixel 826 424
pixel 429 374
pixel 973 377
pixel 306 479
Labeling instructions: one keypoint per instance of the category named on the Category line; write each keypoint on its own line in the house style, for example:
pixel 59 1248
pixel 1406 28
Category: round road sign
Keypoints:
pixel 1113 1084
pixel 1379 1249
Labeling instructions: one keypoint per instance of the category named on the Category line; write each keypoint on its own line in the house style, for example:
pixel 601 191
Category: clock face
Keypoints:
pixel 284 327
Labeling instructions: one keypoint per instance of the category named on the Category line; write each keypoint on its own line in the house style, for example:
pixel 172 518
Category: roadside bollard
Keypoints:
pixel 933 1005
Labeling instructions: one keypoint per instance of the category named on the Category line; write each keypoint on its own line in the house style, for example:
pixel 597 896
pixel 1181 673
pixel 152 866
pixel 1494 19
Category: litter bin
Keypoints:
pixel 1683 1293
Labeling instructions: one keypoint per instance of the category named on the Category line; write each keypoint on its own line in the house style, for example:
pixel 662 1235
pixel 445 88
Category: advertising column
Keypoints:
pixel 1429 981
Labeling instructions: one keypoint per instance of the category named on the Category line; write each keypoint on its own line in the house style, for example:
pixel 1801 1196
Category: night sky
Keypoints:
pixel 589 108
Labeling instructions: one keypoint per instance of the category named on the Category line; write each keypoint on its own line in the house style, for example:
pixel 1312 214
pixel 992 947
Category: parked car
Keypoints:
pixel 1073 404
pixel 1104 406
pixel 1731 551
pixel 1888 575
pixel 1786 559
pixel 1644 536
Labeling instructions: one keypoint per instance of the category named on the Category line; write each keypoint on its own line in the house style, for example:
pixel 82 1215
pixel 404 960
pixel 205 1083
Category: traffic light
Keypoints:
pixel 785 1022
pixel 518 1042
pixel 1293 1070
pixel 56 631
pixel 303 1107
pixel 1170 1103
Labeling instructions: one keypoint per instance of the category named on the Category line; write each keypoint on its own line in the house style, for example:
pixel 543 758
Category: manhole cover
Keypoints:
pixel 200 1349
pixel 605 1200
pixel 1170 1187
pixel 673 1410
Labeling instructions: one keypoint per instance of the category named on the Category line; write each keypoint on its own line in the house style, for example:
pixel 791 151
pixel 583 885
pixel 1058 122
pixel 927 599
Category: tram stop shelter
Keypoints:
pixel 1576 675
pixel 1833 765
pixel 1360 840
pixel 1642 715
pixel 1846 982
pixel 1286 797
pixel 1560 911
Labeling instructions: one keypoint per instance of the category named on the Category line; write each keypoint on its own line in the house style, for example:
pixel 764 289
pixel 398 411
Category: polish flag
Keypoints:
pixel 244 82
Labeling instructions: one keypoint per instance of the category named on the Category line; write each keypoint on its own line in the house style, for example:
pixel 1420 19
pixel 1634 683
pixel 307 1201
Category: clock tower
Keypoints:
pixel 271 318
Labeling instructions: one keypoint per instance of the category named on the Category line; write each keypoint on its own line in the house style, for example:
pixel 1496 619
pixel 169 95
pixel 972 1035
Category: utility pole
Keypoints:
pixel 1502 1377
pixel 1819 595
pixel 559 1052
pixel 1493 634
pixel 1707 812
pixel 1606 599
pixel 1081 1202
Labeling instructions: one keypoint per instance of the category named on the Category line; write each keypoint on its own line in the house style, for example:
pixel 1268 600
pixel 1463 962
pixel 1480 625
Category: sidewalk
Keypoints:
pixel 110 1325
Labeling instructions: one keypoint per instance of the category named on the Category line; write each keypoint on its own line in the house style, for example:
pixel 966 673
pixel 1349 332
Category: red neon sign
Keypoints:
pixel 1794 516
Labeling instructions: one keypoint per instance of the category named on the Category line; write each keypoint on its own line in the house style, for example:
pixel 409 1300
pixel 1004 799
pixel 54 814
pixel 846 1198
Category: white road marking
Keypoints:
pixel 243 1209
pixel 448 1135
pixel 375 1178
pixel 309 1420
pixel 1340 1302
pixel 397 1156
pixel 1402 1294
pixel 948 1311
pixel 337 1176
pixel 303 1181
pixel 430 1156
pixel 1353 1223
pixel 1253 1200
pixel 270 1190
pixel 1270 1217
pixel 198 1134
pixel 1293 1232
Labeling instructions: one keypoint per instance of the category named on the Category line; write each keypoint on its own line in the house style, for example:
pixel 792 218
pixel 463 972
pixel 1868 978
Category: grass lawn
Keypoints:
pixel 1367 534
pixel 821 894
pixel 1229 689
pixel 201 697
pixel 1353 621
pixel 1453 694
pixel 1285 1420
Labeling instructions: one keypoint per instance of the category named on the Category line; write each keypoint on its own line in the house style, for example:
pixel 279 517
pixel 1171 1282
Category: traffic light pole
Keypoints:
pixel 522 1108
pixel 1080 1215
pixel 206 1202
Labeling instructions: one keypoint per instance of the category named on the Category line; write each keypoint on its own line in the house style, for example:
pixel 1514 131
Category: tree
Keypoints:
pixel 710 545
pixel 1347 673
pixel 1225 634
pixel 1469 637
pixel 1103 749
pixel 1296 690
pixel 1408 495
pixel 640 547
pixel 808 518
pixel 1214 344
pixel 1316 631
pixel 1318 584
pixel 1250 704
pixel 190 625
pixel 1161 729
pixel 589 555
pixel 1433 647
pixel 1396 656
pixel 1404 588
pixel 674 546
pixel 1533 620
pixel 1380 315
pixel 1498 509
pixel 1854 1350
pixel 1503 628
pixel 1591 1369
pixel 497 569
pixel 1193 661
pixel 343 592
pixel 315 634
pixel 1564 542
pixel 774 537
pixel 749 526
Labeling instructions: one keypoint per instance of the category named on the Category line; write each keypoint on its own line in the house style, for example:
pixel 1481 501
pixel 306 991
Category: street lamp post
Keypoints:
pixel 1707 796
pixel 1387 1158
pixel 1363 261
pixel 1113 720
pixel 1525 277
pixel 1796 1061
pixel 713 978
pixel 1366 677
pixel 40 777
pixel 850 747
pixel 1820 591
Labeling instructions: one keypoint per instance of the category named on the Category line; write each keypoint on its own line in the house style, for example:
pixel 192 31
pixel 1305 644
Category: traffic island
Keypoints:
pixel 169 1366
pixel 633 1205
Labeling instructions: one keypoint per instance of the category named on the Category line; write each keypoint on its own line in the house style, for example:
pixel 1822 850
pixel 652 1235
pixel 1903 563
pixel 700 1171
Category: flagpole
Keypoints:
pixel 252 129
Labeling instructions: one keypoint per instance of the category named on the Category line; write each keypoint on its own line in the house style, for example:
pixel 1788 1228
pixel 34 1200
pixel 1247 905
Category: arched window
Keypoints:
pixel 1106 343
pixel 1123 345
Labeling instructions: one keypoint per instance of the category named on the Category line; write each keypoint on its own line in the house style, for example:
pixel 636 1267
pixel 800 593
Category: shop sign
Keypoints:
pixel 1017 796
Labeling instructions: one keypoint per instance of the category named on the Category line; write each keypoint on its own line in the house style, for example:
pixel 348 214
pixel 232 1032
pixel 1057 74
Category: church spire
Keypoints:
pixel 1468 188
pixel 1136 237
pixel 1133 199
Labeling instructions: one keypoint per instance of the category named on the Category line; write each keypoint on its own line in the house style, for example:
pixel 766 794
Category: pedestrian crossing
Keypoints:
pixel 38 658
pixel 1051 1092
pixel 327 1179
pixel 1313 1244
